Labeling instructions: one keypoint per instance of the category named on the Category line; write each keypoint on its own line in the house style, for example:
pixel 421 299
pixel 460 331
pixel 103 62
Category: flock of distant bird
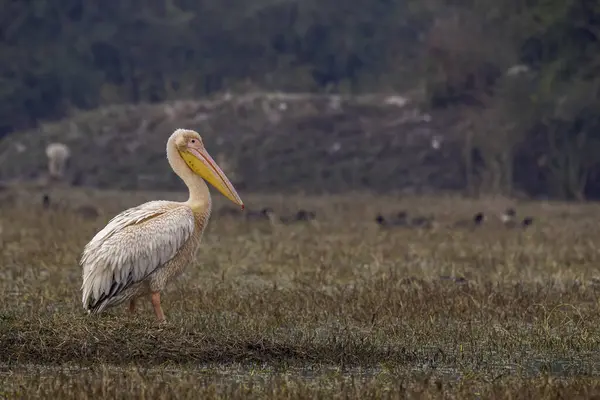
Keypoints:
pixel 401 219
pixel 268 214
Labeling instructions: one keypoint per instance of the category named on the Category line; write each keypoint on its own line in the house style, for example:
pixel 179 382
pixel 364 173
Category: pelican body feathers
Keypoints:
pixel 141 249
pixel 138 245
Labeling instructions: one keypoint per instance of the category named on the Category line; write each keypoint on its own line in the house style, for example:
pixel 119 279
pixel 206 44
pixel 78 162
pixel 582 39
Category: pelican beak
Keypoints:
pixel 198 159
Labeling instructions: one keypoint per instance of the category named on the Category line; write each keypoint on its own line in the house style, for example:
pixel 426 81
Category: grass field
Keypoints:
pixel 337 309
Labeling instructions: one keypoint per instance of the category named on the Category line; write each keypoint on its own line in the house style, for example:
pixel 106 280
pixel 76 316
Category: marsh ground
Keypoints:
pixel 339 308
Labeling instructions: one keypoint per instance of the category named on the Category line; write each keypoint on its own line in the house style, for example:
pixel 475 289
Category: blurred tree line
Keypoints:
pixel 524 75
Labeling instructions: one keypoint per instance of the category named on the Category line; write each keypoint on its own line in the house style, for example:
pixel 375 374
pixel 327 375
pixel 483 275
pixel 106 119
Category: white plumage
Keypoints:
pixel 132 246
pixel 144 247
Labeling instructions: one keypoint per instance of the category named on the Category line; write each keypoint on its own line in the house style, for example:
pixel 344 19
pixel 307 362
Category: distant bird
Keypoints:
pixel 527 221
pixel 508 215
pixel 46 201
pixel 476 221
pixel 400 219
pixel 303 215
pixel 510 221
pixel 509 218
pixel 144 247
pixel 58 154
pixel 381 221
pixel 422 222
pixel 261 215
pixel 276 219
pixel 300 216
pixel 479 218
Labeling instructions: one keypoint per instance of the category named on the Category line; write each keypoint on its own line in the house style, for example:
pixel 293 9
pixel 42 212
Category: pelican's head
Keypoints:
pixel 191 149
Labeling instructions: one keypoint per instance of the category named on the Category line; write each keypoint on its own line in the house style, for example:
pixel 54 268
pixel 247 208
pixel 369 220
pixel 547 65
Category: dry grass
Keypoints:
pixel 338 309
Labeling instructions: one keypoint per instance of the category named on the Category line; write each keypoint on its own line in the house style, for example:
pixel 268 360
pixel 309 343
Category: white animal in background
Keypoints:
pixel 58 154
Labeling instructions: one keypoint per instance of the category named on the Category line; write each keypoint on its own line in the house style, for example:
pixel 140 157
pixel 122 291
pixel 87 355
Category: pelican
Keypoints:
pixel 144 247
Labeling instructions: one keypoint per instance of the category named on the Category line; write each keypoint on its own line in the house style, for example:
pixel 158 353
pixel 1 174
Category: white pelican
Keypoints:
pixel 144 247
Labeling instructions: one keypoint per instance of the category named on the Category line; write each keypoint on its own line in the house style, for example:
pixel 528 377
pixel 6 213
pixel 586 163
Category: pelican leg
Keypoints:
pixel 132 306
pixel 157 308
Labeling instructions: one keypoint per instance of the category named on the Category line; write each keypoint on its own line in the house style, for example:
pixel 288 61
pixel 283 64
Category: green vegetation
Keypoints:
pixel 520 80
pixel 336 309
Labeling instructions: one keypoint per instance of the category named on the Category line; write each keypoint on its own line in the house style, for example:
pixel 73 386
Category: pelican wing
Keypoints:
pixel 132 246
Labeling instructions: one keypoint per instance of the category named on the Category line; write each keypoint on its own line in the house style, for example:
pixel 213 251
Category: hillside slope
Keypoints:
pixel 271 141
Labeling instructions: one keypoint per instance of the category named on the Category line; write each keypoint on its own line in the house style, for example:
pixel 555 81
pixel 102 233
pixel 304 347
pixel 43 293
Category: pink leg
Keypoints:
pixel 157 308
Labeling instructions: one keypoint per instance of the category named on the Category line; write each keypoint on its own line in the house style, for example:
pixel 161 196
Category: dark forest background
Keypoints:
pixel 520 78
